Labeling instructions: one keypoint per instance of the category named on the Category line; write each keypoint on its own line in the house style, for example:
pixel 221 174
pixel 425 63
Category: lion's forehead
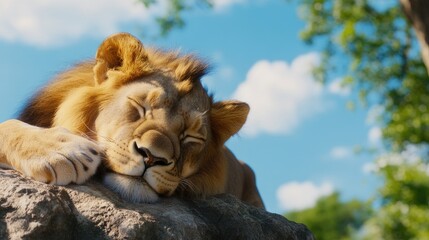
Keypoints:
pixel 166 102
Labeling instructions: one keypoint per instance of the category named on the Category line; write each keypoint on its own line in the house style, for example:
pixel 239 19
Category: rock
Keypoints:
pixel 33 210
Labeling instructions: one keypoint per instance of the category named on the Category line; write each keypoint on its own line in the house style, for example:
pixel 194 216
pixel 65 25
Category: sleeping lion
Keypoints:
pixel 139 114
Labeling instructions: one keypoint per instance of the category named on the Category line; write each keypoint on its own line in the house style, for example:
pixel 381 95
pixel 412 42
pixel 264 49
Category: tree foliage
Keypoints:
pixel 405 196
pixel 374 48
pixel 377 46
pixel 332 219
pixel 173 18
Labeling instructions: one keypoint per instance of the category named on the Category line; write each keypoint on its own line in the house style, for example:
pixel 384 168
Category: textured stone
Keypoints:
pixel 33 210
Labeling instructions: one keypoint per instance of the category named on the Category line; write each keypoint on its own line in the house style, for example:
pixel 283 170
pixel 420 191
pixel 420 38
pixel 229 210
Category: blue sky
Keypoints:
pixel 299 137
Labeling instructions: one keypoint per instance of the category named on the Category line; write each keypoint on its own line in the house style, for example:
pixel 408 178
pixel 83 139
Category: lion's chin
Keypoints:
pixel 130 188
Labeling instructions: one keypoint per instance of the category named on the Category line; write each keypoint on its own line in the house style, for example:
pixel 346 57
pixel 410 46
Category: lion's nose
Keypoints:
pixel 149 159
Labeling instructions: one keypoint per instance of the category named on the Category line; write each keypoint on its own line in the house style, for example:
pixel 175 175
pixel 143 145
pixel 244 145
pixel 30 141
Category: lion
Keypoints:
pixel 142 116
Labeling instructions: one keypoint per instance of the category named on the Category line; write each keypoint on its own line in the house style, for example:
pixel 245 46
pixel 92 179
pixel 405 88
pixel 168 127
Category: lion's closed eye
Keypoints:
pixel 139 107
pixel 192 139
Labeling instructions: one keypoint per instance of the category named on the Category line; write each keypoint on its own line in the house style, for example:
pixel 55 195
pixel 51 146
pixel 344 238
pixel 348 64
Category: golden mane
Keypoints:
pixel 134 62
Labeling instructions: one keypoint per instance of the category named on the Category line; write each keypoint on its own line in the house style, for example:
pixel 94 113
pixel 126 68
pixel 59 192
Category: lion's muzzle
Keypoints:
pixel 156 149
pixel 149 159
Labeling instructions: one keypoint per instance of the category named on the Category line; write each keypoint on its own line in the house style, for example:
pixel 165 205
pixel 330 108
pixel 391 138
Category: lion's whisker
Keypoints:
pixel 96 134
pixel 186 184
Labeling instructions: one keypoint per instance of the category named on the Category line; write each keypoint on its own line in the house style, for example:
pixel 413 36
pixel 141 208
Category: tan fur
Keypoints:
pixel 145 115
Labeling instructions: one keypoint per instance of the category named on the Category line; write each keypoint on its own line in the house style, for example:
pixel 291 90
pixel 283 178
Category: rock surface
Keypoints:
pixel 33 210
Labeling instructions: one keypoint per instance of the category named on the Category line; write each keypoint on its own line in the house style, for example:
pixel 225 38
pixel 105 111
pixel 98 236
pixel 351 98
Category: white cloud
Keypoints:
pixel 302 195
pixel 281 95
pixel 374 114
pixel 53 22
pixel 223 4
pixel 375 136
pixel 336 87
pixel 369 167
pixel 412 154
pixel 340 152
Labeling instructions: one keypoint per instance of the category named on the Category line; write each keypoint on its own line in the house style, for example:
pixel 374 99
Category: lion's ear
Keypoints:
pixel 227 118
pixel 121 52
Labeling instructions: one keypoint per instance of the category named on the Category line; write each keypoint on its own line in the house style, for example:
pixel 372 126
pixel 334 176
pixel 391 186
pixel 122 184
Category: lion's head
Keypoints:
pixel 159 127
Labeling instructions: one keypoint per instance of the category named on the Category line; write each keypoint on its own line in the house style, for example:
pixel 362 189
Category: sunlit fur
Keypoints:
pixel 104 100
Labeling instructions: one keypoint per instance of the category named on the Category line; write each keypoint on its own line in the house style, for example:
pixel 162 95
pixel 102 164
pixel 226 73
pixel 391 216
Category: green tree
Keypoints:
pixel 375 47
pixel 405 196
pixel 173 18
pixel 332 219
pixel 416 12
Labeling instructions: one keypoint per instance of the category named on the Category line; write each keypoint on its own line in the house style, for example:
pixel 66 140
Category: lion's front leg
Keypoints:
pixel 50 155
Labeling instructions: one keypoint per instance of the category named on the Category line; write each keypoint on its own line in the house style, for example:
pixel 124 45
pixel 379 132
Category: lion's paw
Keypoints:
pixel 53 155
pixel 71 159
pixel 66 166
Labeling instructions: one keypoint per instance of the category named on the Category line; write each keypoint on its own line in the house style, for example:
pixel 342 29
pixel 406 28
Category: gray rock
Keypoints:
pixel 33 210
